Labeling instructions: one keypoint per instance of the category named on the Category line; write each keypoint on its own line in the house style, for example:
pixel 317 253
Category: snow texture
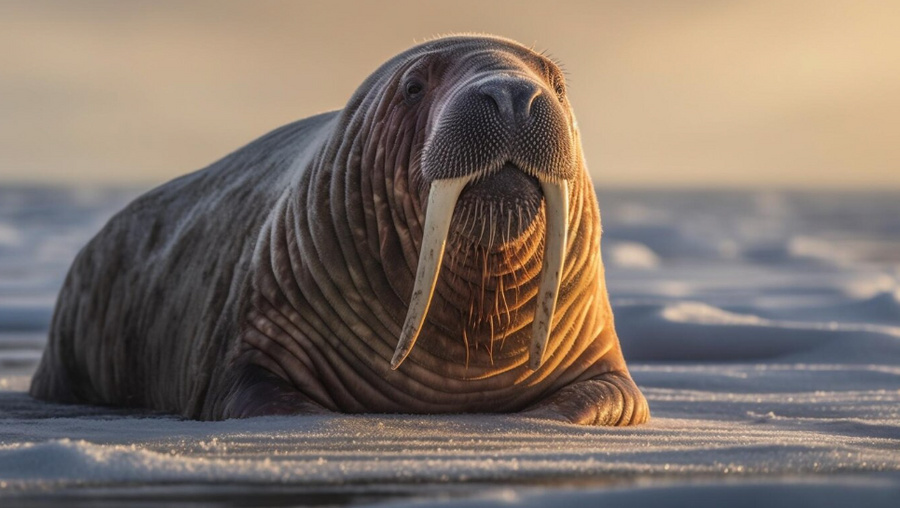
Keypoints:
pixel 764 329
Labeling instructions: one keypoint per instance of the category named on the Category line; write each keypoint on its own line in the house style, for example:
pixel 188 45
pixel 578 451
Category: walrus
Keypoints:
pixel 432 247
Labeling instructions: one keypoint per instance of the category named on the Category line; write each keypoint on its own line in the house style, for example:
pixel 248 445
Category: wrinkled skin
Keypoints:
pixel 277 280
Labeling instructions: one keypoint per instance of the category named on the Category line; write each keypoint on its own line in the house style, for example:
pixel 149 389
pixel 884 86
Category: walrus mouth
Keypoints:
pixel 442 198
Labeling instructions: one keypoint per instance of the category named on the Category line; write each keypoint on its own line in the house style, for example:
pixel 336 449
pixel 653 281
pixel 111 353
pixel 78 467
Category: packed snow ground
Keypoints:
pixel 764 329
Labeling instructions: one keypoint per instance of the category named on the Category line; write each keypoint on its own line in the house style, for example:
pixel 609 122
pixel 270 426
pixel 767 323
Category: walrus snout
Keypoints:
pixel 498 118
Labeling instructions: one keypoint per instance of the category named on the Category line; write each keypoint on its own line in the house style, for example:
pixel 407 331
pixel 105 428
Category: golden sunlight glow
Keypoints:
pixel 802 94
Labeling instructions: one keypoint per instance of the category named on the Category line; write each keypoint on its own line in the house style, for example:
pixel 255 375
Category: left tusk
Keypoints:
pixel 441 202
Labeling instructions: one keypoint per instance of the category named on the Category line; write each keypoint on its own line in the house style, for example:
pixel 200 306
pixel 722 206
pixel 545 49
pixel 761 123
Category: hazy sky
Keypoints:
pixel 800 94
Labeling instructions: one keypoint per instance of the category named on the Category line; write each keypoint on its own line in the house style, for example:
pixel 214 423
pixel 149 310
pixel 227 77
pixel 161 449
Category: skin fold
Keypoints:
pixel 279 279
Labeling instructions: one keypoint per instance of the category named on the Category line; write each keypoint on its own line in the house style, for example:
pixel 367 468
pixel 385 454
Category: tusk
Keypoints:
pixel 556 196
pixel 441 201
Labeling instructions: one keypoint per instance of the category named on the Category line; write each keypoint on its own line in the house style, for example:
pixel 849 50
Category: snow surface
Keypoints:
pixel 764 329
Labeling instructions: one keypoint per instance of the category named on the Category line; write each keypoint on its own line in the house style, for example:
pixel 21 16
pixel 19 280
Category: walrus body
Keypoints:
pixel 446 207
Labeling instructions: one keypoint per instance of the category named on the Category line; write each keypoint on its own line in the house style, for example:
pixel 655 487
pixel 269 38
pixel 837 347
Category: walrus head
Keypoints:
pixel 492 153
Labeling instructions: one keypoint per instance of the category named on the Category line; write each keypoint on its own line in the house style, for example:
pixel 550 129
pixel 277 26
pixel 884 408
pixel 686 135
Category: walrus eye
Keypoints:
pixel 560 92
pixel 414 89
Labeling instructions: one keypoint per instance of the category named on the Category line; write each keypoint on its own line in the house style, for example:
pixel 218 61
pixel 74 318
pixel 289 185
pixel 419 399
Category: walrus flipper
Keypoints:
pixel 260 393
pixel 608 399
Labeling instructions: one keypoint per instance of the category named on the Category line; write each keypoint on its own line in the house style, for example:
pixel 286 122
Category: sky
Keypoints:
pixel 690 93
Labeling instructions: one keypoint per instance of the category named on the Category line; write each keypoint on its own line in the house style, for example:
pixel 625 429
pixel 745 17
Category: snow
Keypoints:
pixel 764 329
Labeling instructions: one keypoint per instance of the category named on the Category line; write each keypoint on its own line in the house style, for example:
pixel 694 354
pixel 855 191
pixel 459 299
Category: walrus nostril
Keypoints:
pixel 513 97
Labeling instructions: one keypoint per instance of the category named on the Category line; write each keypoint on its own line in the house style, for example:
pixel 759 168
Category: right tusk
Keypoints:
pixel 556 196
pixel 441 202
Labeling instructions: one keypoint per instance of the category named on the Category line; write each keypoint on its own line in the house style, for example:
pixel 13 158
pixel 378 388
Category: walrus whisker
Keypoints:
pixel 488 274
pixel 466 344
pixel 484 274
pixel 441 203
pixel 492 226
pixel 515 277
pixel 556 199
pixel 502 288
pixel 491 341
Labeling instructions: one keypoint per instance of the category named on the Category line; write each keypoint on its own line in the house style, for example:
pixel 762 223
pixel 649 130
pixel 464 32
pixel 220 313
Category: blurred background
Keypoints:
pixel 786 94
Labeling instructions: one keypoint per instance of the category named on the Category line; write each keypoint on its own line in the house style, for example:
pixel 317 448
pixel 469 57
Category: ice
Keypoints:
pixel 764 329
pixel 9 236
pixel 877 492
pixel 630 255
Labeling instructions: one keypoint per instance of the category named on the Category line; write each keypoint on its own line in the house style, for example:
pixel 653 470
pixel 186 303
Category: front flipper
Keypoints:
pixel 608 399
pixel 261 393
